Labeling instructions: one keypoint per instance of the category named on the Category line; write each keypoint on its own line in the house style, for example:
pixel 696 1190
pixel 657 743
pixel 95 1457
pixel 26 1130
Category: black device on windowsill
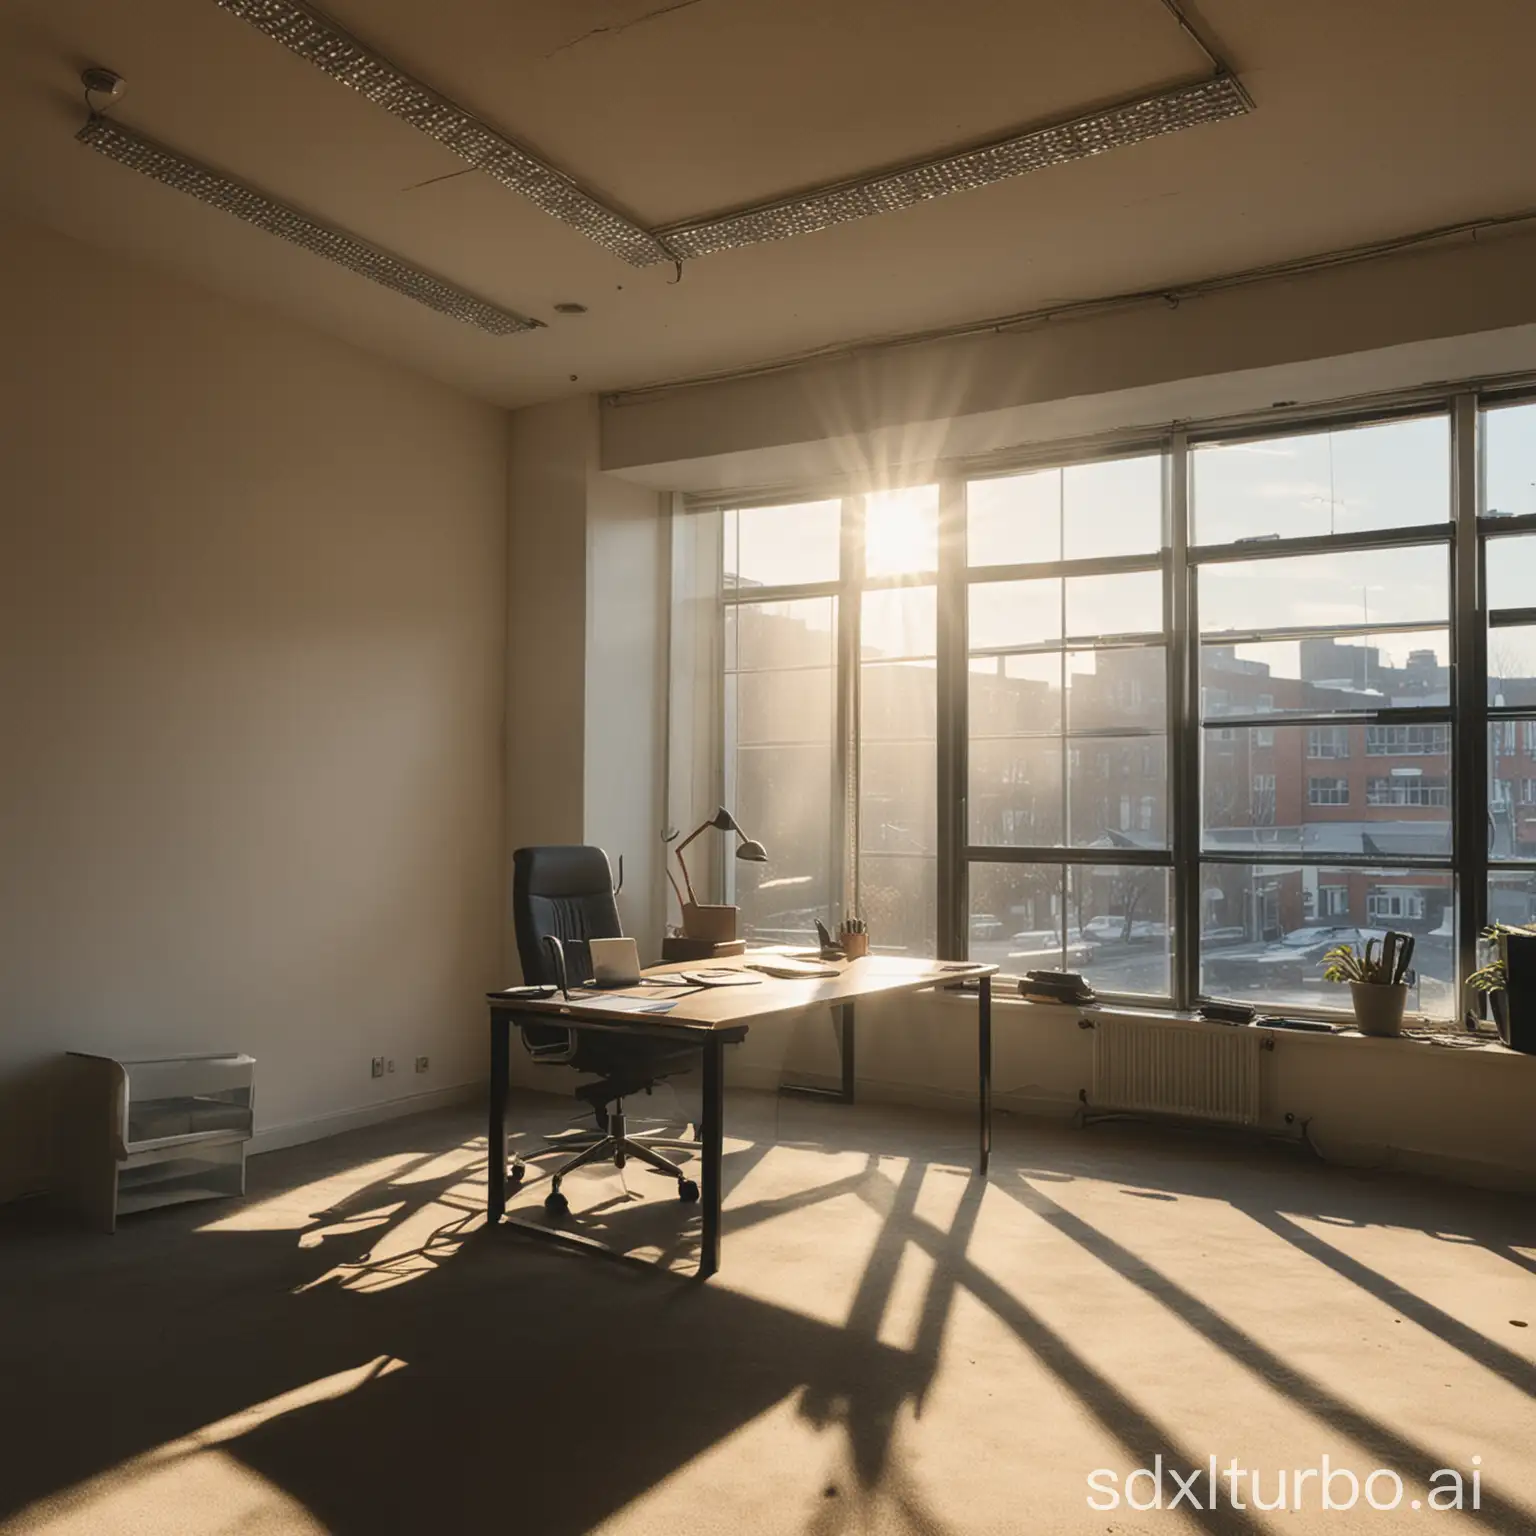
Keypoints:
pixel 1227 1013
pixel 1055 987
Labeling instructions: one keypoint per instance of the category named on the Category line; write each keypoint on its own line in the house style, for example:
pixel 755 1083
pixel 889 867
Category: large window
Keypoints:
pixel 1181 717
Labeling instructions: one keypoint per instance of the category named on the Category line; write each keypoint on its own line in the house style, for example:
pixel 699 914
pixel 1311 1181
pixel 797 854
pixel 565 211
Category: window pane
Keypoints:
pixel 1107 922
pixel 1115 605
pixel 1512 897
pixel 1016 918
pixel 1509 461
pixel 897 770
pixel 1320 675
pixel 778 636
pixel 898 621
pixel 1337 590
pixel 780 546
pixel 1512 572
pixel 1113 508
pixel 1015 762
pixel 1014 798
pixel 1392 475
pixel 1512 789
pixel 1118 688
pixel 1265 929
pixel 1121 913
pixel 1006 613
pixel 1014 521
pixel 1512 665
pixel 898 898
pixel 901 531
pixel 1358 789
pixel 780 714
pixel 1015 695
pixel 897 758
pixel 1117 792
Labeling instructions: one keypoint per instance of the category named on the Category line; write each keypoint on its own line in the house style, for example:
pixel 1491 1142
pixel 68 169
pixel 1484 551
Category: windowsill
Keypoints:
pixel 1474 1046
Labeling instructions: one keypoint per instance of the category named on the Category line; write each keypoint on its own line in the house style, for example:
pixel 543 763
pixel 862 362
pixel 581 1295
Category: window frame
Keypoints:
pixel 1468 535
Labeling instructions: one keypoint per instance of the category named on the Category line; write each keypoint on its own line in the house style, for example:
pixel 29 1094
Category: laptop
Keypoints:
pixel 615 962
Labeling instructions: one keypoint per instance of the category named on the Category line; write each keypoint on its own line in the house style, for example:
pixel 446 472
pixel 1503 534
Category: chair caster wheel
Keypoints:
pixel 687 1190
pixel 556 1204
pixel 516 1171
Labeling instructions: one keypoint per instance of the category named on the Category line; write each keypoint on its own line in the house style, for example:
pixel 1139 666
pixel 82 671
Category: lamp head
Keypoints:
pixel 751 852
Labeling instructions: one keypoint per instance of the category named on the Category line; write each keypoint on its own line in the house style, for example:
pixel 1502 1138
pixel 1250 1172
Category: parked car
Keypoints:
pixel 1112 928
pixel 1216 938
pixel 985 926
pixel 1042 949
pixel 1105 929
pixel 1288 962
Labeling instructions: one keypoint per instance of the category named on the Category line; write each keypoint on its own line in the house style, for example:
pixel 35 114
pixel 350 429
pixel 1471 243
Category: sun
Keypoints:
pixel 901 531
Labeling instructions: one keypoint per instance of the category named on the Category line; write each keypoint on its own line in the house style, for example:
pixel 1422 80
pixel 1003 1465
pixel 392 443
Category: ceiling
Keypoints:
pixel 671 109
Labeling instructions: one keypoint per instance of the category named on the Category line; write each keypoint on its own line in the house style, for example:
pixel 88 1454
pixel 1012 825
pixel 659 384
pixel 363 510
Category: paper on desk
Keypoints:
pixel 619 1002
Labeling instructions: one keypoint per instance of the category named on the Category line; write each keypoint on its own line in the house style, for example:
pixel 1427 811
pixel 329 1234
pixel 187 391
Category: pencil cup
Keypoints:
pixel 855 945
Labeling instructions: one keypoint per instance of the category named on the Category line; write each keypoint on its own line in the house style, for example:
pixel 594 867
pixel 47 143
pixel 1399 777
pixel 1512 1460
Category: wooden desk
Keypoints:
pixel 715 1017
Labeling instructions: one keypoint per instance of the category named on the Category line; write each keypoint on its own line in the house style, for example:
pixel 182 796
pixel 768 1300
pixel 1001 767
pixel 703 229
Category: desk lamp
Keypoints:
pixel 711 924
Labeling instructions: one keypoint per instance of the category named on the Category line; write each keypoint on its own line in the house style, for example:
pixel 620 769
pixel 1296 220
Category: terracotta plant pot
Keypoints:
pixel 1379 1008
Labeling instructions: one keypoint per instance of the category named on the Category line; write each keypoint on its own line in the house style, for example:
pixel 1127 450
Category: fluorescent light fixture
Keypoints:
pixel 1132 122
pixel 245 202
pixel 328 47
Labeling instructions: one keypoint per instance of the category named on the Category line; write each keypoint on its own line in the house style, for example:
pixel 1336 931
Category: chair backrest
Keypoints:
pixel 566 892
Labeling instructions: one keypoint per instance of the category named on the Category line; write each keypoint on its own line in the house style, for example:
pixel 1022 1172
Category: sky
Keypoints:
pixel 1391 474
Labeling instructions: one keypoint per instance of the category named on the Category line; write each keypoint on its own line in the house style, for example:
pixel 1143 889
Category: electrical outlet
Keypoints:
pixel 378 1066
pixel 389 1066
pixel 422 1063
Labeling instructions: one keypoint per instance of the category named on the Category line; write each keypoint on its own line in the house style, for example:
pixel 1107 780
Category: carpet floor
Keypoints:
pixel 891 1346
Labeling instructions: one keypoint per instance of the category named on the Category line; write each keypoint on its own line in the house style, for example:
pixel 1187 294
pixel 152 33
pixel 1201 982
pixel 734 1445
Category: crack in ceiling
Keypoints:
pixel 613 29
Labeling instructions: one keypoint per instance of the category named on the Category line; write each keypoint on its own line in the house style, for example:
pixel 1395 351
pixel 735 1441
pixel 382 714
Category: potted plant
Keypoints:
pixel 1376 977
pixel 1493 978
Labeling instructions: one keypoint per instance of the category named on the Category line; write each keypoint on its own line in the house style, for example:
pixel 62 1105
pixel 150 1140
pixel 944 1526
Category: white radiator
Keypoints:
pixel 1196 1071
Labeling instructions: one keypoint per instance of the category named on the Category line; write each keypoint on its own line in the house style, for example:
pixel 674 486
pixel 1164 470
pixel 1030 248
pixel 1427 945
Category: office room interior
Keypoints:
pixel 767 765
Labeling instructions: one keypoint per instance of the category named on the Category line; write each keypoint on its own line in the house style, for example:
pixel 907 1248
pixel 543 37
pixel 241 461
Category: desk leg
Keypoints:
pixel 712 1137
pixel 846 1043
pixel 496 1130
pixel 984 1087
pixel 846 1040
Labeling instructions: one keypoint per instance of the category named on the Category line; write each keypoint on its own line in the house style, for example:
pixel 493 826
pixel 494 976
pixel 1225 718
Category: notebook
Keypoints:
pixel 793 970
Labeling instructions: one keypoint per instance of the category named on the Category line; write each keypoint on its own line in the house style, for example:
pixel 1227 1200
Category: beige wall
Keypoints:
pixel 628 601
pixel 550 452
pixel 252 625
pixel 588 598
pixel 1460 310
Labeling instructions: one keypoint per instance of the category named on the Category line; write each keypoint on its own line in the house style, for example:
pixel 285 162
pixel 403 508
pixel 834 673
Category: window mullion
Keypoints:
pixel 951 722
pixel 1183 731
pixel 846 810
pixel 1469 763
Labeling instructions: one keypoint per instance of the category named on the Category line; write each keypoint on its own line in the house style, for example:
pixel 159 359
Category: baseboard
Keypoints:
pixel 26 1186
pixel 295 1133
pixel 1372 1158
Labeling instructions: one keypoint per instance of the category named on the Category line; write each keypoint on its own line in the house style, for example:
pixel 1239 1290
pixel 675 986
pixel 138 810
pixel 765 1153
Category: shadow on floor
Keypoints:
pixel 488 1382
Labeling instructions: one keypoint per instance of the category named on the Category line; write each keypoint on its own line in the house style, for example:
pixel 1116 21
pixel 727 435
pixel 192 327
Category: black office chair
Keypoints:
pixel 566 894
